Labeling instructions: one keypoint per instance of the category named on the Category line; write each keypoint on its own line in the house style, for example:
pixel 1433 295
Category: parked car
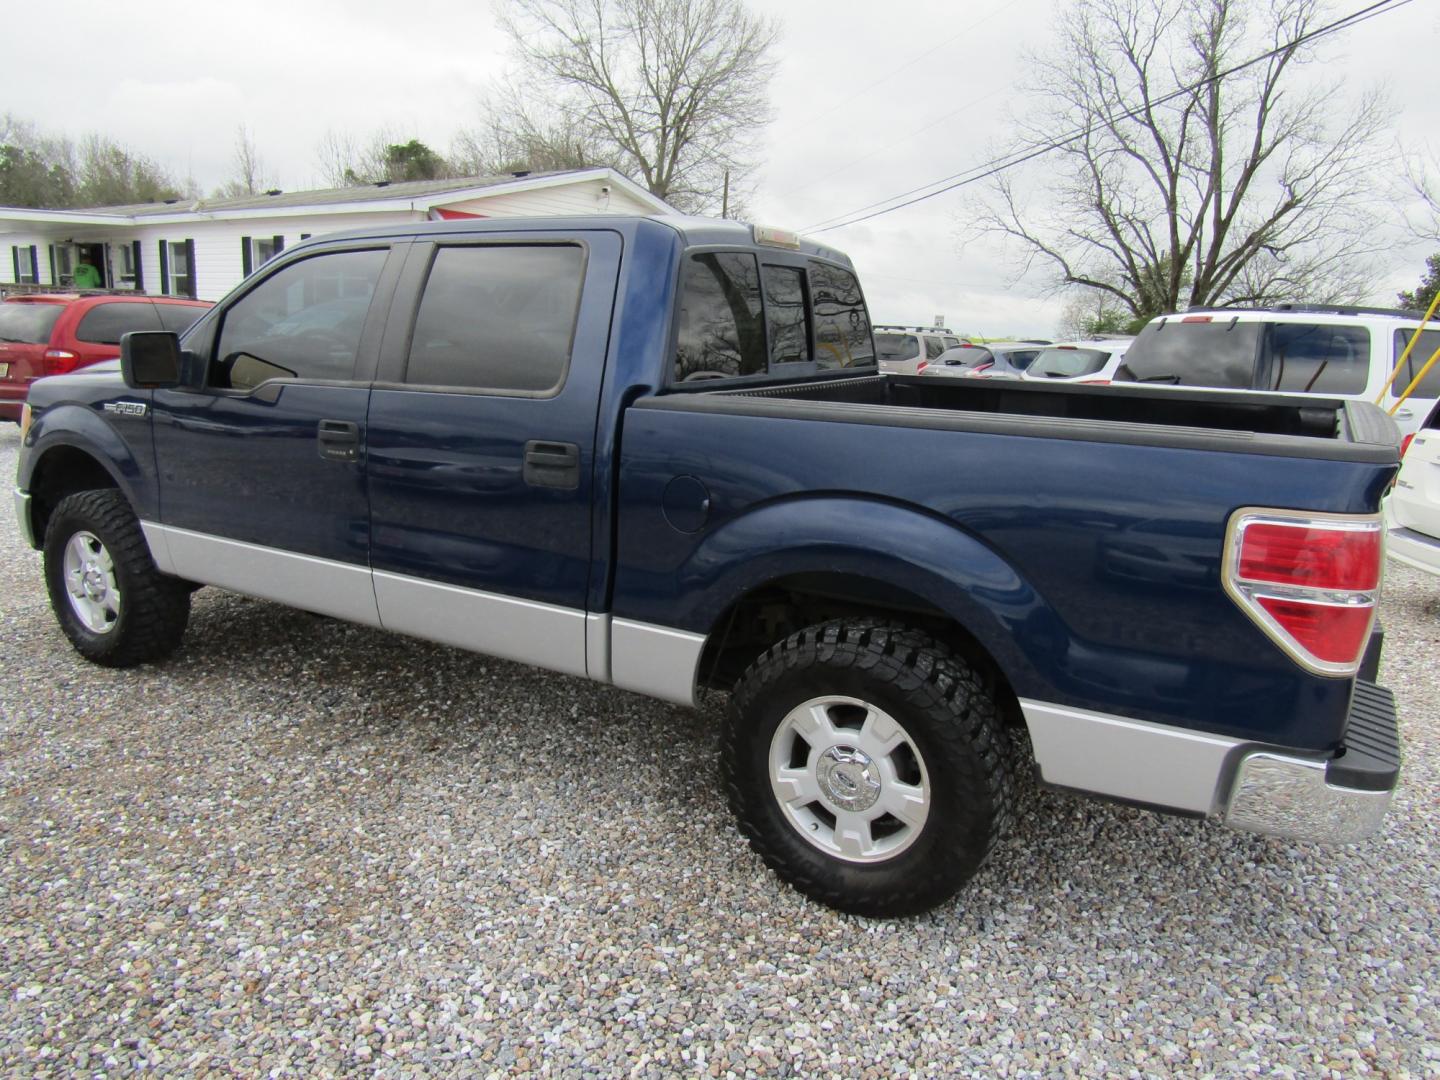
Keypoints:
pixel 909 350
pixel 1176 604
pixel 1412 512
pixel 1080 361
pixel 54 333
pixel 1329 350
pixel 992 360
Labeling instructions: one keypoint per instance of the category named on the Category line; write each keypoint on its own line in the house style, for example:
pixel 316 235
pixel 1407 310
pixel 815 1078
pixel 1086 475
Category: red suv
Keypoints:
pixel 50 334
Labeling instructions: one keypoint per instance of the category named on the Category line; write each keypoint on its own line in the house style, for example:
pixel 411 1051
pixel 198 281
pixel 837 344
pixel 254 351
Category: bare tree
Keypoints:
pixel 675 90
pixel 1423 174
pixel 247 169
pixel 1246 189
pixel 512 137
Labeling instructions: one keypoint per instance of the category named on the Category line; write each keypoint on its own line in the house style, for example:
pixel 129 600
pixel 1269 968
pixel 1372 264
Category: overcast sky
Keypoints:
pixel 871 99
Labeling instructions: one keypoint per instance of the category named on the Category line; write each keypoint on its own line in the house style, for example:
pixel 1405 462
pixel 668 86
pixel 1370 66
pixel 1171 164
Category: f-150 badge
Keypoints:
pixel 126 408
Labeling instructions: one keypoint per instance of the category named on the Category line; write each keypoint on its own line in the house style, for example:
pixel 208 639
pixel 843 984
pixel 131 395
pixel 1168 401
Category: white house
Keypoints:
pixel 203 248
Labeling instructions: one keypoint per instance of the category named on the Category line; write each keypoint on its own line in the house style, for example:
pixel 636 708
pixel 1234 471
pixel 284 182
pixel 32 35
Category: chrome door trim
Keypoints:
pixel 307 582
pixel 503 626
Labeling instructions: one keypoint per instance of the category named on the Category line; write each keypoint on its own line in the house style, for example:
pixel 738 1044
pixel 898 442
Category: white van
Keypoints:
pixel 1344 352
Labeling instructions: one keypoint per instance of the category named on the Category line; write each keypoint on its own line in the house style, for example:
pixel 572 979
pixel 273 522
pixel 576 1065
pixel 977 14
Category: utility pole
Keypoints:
pixel 725 196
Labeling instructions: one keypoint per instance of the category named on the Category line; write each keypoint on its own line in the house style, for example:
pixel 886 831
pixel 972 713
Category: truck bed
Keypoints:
pixel 1276 424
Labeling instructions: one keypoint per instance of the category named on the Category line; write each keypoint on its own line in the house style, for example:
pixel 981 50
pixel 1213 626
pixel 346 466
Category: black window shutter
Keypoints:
pixel 54 272
pixel 190 262
pixel 139 272
pixel 279 244
pixel 35 263
pixel 15 254
pixel 247 258
pixel 164 268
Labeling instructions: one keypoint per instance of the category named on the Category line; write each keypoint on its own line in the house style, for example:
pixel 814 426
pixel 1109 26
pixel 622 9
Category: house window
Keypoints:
pixel 62 264
pixel 127 265
pixel 177 268
pixel 26 264
pixel 256 251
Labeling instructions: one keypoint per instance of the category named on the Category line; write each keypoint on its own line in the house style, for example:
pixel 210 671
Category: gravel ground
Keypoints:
pixel 305 848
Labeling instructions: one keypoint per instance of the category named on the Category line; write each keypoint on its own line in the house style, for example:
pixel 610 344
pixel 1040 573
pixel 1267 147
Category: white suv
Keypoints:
pixel 909 350
pixel 1338 352
pixel 1412 511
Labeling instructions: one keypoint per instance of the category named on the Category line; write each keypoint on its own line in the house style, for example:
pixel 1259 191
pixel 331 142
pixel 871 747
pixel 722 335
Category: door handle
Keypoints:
pixel 339 440
pixel 552 464
pixel 1404 414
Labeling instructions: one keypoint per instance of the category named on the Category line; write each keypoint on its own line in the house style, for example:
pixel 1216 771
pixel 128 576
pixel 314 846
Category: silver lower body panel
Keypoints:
pixel 22 514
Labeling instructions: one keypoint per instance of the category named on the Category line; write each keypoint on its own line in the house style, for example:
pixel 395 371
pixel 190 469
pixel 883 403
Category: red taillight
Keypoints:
pixel 1094 382
pixel 921 366
pixel 1310 582
pixel 1405 444
pixel 978 371
pixel 1335 634
pixel 1311 557
pixel 60 361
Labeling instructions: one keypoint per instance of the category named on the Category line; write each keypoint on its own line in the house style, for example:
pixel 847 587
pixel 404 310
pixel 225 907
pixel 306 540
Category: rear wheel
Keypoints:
pixel 863 765
pixel 112 603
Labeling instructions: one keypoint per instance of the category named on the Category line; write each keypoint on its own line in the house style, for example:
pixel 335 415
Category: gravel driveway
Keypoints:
pixel 306 848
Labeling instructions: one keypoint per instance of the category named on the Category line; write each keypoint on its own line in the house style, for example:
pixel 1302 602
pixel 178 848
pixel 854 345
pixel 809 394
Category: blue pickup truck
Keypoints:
pixel 658 453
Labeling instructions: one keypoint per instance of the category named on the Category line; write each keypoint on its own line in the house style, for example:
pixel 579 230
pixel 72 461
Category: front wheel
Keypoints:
pixel 862 762
pixel 116 608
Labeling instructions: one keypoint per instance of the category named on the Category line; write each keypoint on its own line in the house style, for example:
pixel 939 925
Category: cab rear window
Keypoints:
pixel 28 324
pixel 741 319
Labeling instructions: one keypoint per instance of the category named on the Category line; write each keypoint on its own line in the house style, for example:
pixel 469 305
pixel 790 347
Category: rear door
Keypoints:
pixel 96 335
pixel 482 441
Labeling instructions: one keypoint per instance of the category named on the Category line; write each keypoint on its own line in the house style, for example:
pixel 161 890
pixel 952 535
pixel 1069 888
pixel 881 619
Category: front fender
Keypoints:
pixel 895 546
pixel 79 427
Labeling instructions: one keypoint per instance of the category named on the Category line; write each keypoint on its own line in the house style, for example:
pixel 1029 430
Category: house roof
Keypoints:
pixel 402 189
pixel 418 194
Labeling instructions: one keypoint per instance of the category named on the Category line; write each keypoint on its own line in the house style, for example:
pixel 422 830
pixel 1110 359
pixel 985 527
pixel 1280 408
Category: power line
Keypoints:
pixel 1009 161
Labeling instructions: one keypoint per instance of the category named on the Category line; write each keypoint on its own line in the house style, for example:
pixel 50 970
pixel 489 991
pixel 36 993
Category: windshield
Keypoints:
pixel 1068 363
pixel 893 347
pixel 27 323
pixel 1222 353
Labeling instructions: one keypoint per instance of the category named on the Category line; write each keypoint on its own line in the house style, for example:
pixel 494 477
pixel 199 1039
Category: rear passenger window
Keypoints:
pixel 1313 358
pixel 785 315
pixel 104 323
pixel 497 317
pixel 177 318
pixel 721 332
pixel 842 327
pixel 933 348
pixel 1424 349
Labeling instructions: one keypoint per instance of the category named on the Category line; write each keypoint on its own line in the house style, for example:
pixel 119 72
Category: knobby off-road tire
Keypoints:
pixel 112 603
pixel 839 723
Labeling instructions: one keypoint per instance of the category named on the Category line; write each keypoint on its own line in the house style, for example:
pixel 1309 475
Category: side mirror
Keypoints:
pixel 150 359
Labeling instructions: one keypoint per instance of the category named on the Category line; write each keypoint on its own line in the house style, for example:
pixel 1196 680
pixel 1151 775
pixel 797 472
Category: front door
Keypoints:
pixel 262 472
pixel 482 442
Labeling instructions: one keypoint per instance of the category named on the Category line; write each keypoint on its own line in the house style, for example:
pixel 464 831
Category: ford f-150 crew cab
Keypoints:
pixel 658 453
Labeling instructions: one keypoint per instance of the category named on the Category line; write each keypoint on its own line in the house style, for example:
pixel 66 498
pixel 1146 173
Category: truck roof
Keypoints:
pixel 694 231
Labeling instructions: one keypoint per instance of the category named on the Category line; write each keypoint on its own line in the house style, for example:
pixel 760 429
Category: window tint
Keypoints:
pixel 893 348
pixel 178 318
pixel 303 322
pixel 933 348
pixel 842 326
pixel 951 342
pixel 1068 363
pixel 103 324
pixel 721 335
pixel 785 315
pixel 28 324
pixel 1021 359
pixel 1424 349
pixel 1315 358
pixel 497 318
pixel 1216 354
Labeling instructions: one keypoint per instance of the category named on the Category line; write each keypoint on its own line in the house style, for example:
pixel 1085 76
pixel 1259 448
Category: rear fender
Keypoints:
pixel 923 555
